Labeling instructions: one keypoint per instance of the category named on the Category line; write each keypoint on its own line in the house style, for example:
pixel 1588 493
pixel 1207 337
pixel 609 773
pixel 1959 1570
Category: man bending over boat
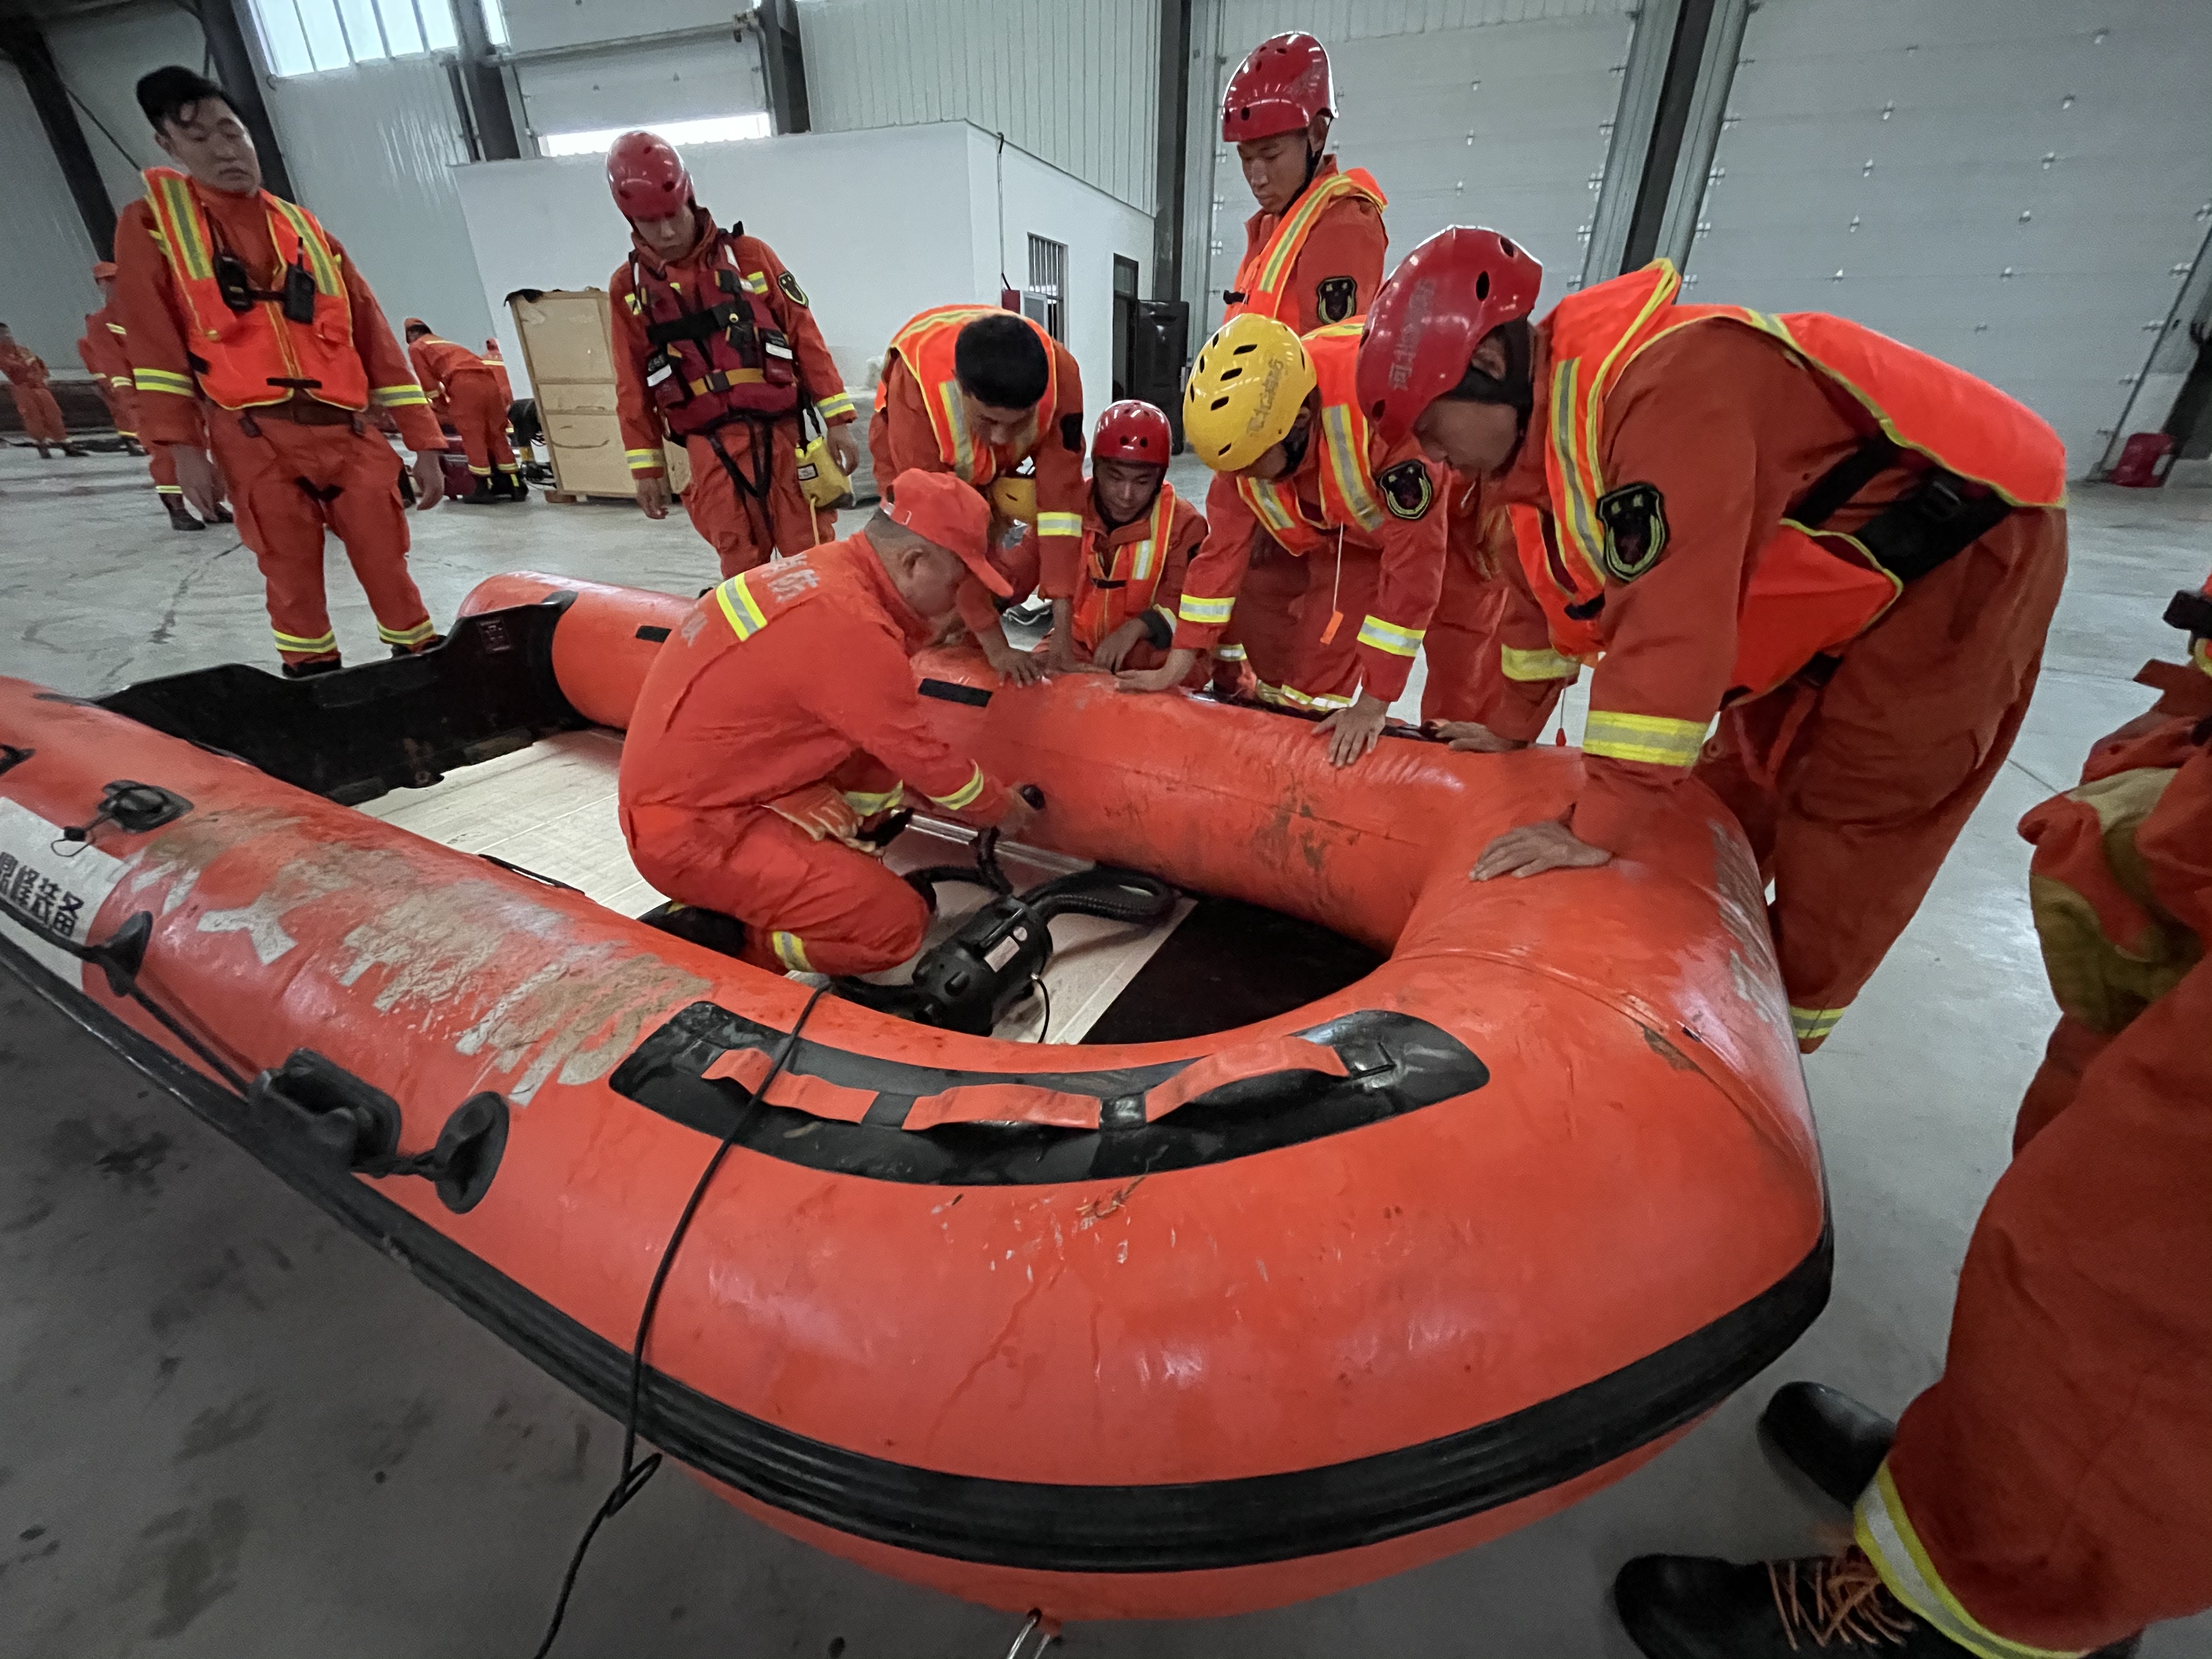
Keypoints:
pixel 1847 551
pixel 781 718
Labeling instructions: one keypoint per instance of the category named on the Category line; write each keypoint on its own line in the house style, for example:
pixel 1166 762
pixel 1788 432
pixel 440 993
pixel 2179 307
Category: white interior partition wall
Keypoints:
pixel 928 197
pixel 45 258
pixel 2018 186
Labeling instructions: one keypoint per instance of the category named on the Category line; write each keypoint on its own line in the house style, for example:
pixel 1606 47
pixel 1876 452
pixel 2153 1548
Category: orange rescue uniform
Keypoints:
pixel 777 720
pixel 1319 260
pixel 918 425
pixel 1133 570
pixel 297 461
pixel 27 383
pixel 1461 650
pixel 1345 555
pixel 106 354
pixel 472 396
pixel 1883 711
pixel 747 521
pixel 2053 1491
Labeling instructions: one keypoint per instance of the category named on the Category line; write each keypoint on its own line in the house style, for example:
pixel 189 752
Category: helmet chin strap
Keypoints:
pixel 1295 442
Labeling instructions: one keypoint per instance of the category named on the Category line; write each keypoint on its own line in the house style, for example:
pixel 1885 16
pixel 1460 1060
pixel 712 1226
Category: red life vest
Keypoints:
pixel 1809 591
pixel 713 364
pixel 1263 279
pixel 925 343
pixel 246 359
pixel 1119 582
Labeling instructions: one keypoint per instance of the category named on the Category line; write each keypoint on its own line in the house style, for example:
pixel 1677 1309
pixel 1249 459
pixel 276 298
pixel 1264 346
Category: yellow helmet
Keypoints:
pixel 1014 500
pixel 1246 389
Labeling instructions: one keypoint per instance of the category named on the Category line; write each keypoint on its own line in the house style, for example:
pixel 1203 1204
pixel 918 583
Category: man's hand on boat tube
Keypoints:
pixel 1351 732
pixel 1170 673
pixel 1474 737
pixel 1118 644
pixel 1536 848
pixel 1019 666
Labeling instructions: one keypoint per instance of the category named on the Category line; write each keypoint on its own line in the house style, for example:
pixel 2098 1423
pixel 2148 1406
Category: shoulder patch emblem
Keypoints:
pixel 1635 520
pixel 789 284
pixel 1407 489
pixel 1336 298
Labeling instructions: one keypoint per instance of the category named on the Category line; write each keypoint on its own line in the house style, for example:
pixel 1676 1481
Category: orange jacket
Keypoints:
pixel 21 367
pixel 497 365
pixel 1349 486
pixel 437 361
pixel 779 678
pixel 152 309
pixel 1724 425
pixel 1326 266
pixel 642 428
pixel 108 361
pixel 905 434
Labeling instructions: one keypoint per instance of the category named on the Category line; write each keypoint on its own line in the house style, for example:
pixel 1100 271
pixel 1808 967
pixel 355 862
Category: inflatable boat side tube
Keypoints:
pixel 1390 1063
pixel 359 733
pixel 1026 1525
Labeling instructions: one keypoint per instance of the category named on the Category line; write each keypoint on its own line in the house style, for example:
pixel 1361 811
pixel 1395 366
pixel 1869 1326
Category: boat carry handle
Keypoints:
pixel 358 1125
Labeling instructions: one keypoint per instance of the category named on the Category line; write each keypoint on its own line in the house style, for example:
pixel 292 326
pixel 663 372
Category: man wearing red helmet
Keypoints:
pixel 2052 1492
pixel 734 380
pixel 1846 550
pixel 976 391
pixel 465 393
pixel 1138 539
pixel 782 720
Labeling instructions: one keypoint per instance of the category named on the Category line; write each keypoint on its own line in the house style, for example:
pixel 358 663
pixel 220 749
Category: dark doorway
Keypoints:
pixel 1125 315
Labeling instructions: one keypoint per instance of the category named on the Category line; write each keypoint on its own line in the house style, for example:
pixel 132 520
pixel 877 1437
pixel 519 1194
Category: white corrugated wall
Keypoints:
pixel 371 149
pixel 2018 186
pixel 1074 85
pixel 45 258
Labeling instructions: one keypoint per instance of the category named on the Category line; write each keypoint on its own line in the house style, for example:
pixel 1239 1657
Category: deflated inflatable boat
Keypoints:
pixel 1142 1330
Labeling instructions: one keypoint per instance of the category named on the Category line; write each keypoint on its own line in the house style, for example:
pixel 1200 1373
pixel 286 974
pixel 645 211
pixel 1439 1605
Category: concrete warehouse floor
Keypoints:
pixel 231 1431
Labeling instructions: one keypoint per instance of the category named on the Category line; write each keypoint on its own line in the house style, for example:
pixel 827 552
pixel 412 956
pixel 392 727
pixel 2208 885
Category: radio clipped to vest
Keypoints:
pixel 296 297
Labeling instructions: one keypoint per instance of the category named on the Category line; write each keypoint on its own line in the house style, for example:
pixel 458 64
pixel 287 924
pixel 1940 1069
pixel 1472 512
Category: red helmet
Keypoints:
pixel 1133 430
pixel 1428 319
pixel 1280 88
pixel 648 176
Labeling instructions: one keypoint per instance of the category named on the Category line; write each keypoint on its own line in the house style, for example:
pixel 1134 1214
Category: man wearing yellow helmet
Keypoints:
pixel 1304 485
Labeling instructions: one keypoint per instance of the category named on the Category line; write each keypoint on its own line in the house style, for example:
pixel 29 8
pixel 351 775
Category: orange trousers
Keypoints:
pixel 1282 615
pixel 1852 792
pixel 41 414
pixel 473 405
pixel 2059 1476
pixel 744 529
pixel 817 906
pixel 1461 650
pixel 291 483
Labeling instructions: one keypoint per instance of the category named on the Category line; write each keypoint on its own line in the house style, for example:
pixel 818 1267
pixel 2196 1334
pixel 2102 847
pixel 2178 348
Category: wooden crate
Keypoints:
pixel 565 348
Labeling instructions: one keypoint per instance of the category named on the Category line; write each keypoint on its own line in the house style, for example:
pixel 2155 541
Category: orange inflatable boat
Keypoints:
pixel 1140 1330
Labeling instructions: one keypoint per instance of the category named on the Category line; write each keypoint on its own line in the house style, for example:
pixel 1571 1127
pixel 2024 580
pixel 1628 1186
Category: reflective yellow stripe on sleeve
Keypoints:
pixel 1060 524
pixel 122 381
pixel 965 794
pixel 160 379
pixel 1653 738
pixel 791 952
pixel 398 396
pixel 1205 613
pixel 753 282
pixel 868 803
pixel 1229 653
pixel 1388 636
pixel 1544 665
pixel 1886 1532
pixel 836 403
pixel 644 460
pixel 743 611
pixel 1806 1024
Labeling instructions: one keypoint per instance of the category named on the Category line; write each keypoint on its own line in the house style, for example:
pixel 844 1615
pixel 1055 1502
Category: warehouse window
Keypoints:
pixel 1043 299
pixel 715 130
pixel 306 37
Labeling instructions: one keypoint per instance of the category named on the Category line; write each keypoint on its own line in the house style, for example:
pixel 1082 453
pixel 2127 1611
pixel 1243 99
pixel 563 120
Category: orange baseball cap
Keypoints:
pixel 939 508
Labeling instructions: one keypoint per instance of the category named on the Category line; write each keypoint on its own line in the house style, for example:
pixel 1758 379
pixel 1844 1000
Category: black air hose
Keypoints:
pixel 1117 895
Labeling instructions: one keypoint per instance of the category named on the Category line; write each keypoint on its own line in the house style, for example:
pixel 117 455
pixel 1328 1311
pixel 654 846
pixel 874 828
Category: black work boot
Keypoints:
pixel 221 514
pixel 710 928
pixel 313 666
pixel 430 644
pixel 1693 1606
pixel 180 516
pixel 510 482
pixel 485 493
pixel 1829 1438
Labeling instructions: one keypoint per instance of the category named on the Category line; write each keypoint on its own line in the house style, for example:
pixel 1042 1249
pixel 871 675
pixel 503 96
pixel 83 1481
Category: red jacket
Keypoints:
pixel 642 429
pixel 437 361
pixel 821 677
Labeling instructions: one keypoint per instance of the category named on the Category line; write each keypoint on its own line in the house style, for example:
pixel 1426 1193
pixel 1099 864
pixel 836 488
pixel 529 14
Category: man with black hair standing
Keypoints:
pixel 976 391
pixel 240 306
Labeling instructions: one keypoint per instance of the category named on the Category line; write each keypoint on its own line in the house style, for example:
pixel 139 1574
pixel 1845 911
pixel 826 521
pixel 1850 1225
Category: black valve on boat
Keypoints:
pixel 358 1125
pixel 969 981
